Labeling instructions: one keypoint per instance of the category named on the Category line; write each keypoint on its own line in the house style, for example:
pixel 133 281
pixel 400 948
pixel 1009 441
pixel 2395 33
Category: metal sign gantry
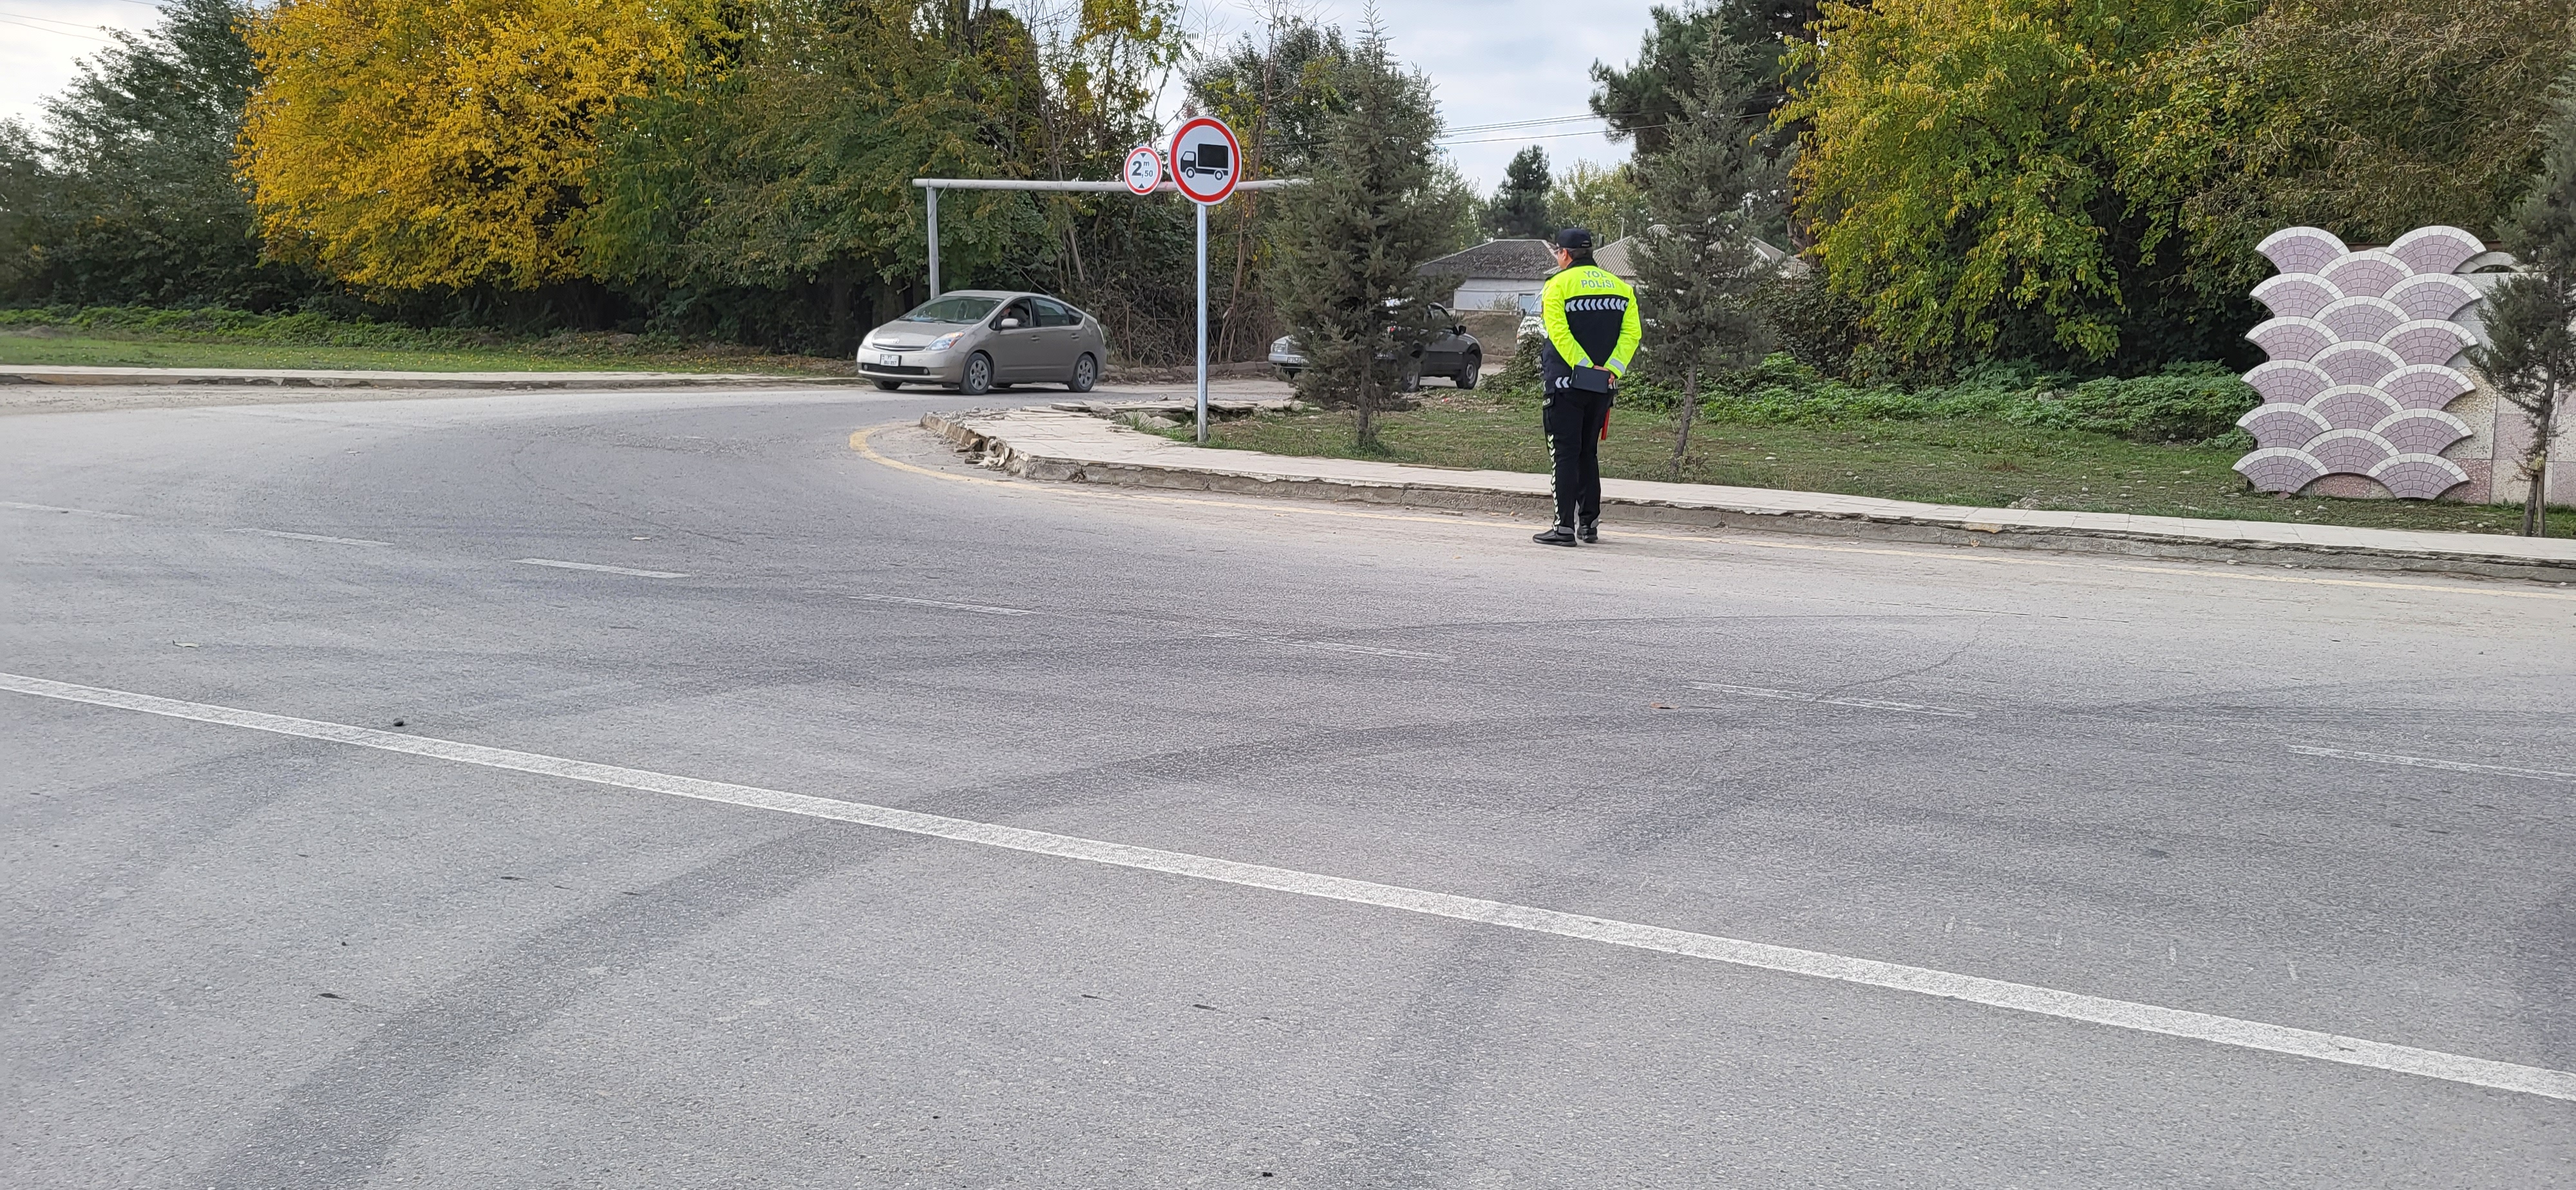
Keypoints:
pixel 1202 196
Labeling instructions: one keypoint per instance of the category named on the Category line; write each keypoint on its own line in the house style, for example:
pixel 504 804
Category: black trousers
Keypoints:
pixel 1572 420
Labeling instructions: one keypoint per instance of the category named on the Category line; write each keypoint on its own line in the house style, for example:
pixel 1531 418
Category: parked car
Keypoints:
pixel 1452 353
pixel 977 340
pixel 1530 321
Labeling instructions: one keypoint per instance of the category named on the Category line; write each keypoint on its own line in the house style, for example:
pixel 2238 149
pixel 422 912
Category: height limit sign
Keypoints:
pixel 1206 160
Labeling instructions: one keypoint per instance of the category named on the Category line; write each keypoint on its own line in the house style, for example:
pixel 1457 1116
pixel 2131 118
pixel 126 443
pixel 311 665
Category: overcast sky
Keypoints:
pixel 1511 62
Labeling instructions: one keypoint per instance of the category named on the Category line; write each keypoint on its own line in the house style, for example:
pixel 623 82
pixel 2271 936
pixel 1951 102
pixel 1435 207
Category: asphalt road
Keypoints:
pixel 239 958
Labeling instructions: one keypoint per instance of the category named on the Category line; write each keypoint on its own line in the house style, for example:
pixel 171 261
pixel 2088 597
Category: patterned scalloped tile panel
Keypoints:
pixel 2362 319
pixel 2293 338
pixel 2366 274
pixel 2296 295
pixel 2303 249
pixel 2358 369
pixel 2440 296
pixel 2428 341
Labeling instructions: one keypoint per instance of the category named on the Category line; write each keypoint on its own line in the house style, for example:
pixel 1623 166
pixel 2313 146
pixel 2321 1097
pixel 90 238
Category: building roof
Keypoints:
pixel 1614 257
pixel 1499 260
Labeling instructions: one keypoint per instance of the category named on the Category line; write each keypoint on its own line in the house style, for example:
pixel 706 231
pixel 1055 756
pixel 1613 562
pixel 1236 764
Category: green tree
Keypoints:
pixel 127 195
pixel 1697 270
pixel 1519 207
pixel 769 196
pixel 1644 98
pixel 2368 118
pixel 1608 201
pixel 2530 318
pixel 1350 243
pixel 1958 176
pixel 1276 91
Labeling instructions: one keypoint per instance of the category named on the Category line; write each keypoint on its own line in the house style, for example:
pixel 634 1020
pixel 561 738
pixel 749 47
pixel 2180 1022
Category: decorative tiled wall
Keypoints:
pixel 2364 365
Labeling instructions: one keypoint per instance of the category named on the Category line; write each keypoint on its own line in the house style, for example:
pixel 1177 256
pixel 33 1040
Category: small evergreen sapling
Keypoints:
pixel 2530 354
pixel 1697 269
pixel 1344 274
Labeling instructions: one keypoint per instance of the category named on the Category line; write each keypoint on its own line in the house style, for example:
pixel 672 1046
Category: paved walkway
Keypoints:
pixel 1062 444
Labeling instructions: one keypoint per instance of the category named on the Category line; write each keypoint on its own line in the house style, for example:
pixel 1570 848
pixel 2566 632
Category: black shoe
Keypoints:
pixel 1590 532
pixel 1559 535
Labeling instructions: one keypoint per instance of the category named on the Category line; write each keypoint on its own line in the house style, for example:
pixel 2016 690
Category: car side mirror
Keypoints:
pixel 1459 329
pixel 1010 324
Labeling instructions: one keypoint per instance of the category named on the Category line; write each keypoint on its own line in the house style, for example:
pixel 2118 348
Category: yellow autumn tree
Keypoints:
pixel 405 144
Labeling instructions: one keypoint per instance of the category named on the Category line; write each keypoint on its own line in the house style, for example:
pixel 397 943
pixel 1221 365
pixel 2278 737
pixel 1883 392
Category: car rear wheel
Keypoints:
pixel 977 379
pixel 1086 372
pixel 1466 377
pixel 889 385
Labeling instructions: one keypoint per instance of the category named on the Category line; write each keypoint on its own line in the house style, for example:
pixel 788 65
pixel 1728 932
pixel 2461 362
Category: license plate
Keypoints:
pixel 889 361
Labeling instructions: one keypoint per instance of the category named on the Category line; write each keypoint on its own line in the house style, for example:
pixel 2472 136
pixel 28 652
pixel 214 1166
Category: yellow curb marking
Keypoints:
pixel 859 442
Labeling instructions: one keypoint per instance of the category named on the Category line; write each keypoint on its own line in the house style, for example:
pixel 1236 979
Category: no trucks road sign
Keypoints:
pixel 1144 170
pixel 1206 160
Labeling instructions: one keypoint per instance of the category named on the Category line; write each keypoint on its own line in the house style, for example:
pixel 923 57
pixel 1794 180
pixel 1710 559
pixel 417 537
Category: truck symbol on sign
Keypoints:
pixel 1212 160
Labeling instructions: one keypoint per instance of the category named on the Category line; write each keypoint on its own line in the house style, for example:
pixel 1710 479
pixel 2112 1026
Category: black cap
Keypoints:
pixel 1575 239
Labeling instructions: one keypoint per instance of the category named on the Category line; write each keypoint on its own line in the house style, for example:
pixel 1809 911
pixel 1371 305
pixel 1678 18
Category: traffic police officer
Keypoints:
pixel 1592 333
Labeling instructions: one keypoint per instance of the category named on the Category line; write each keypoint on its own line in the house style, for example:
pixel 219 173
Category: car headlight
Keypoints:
pixel 946 341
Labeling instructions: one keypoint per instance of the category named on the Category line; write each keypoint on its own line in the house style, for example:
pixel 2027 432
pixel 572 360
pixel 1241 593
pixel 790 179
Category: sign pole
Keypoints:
pixel 1205 166
pixel 934 241
pixel 1202 322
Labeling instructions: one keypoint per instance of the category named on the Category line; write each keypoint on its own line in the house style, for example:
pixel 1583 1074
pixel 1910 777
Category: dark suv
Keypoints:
pixel 1452 353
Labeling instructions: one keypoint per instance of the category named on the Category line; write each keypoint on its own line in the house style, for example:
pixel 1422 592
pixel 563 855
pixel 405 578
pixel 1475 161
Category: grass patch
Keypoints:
pixel 215 338
pixel 1965 459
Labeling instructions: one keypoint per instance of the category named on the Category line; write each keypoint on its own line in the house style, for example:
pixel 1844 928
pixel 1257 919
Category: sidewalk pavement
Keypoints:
pixel 309 378
pixel 1068 443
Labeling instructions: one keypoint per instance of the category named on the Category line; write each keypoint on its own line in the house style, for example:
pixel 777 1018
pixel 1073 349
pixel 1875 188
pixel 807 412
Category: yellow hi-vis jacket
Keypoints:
pixel 1591 321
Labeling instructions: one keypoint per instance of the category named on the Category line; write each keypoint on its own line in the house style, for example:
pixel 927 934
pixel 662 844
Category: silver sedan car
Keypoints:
pixel 977 340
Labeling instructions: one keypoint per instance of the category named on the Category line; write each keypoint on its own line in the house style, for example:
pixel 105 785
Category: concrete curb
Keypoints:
pixel 303 378
pixel 1064 446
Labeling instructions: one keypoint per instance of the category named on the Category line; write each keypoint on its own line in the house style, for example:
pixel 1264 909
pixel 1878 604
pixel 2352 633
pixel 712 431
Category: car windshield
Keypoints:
pixel 952 309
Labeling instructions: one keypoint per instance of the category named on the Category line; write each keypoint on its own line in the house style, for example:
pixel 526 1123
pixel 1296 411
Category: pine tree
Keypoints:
pixel 1345 275
pixel 1696 267
pixel 1519 208
pixel 2530 354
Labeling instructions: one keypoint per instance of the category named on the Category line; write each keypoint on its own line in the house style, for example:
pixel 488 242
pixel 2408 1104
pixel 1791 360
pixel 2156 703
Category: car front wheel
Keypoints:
pixel 1086 372
pixel 889 385
pixel 977 379
pixel 1466 377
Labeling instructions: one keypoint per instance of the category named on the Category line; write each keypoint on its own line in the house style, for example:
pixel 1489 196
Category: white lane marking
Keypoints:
pixel 113 516
pixel 314 537
pixel 1329 646
pixel 1334 646
pixel 955 607
pixel 1874 704
pixel 2427 762
pixel 602 569
pixel 1995 993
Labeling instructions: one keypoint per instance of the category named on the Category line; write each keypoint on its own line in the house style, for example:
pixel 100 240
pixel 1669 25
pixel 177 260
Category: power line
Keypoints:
pixel 49 20
pixel 1523 123
pixel 59 32
pixel 1496 140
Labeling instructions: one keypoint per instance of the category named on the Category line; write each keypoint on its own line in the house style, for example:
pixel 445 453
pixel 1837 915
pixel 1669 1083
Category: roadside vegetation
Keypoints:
pixel 2162 445
pixel 138 337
